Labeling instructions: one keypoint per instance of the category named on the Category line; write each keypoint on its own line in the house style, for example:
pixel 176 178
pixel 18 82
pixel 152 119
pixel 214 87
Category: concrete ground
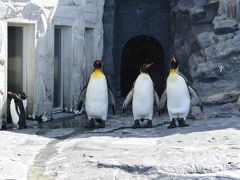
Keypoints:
pixel 207 149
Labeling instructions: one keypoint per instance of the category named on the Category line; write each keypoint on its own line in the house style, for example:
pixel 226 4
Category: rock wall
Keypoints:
pixel 206 40
pixel 124 20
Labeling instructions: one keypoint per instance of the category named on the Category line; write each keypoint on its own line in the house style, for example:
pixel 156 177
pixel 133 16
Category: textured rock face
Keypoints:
pixel 124 20
pixel 207 43
pixel 224 25
pixel 80 22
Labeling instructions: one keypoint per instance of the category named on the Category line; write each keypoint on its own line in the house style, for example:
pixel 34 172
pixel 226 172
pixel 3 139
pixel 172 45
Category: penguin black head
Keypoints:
pixel 98 64
pixel 22 96
pixel 17 96
pixel 11 95
pixel 145 67
pixel 14 96
pixel 174 63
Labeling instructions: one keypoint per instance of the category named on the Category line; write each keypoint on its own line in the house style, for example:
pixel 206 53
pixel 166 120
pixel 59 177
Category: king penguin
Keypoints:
pixel 95 96
pixel 143 96
pixel 18 109
pixel 177 94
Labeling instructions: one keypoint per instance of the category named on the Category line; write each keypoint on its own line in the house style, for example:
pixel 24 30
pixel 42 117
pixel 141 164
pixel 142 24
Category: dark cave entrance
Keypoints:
pixel 137 51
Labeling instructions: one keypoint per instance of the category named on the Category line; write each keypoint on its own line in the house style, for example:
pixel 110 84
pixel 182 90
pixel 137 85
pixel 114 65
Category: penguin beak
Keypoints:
pixel 173 59
pixel 149 65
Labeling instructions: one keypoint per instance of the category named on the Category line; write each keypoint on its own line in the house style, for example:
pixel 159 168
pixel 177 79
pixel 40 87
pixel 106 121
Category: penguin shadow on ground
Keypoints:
pixel 59 129
pixel 120 125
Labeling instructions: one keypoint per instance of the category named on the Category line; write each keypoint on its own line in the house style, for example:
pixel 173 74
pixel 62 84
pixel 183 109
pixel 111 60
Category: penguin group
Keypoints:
pixel 97 94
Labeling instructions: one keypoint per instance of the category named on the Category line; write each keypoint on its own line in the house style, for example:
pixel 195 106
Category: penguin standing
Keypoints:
pixel 95 96
pixel 18 109
pixel 143 96
pixel 177 94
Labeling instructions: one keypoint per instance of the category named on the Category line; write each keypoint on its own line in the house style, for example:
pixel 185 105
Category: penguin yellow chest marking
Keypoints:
pixel 97 74
pixel 173 75
pixel 97 96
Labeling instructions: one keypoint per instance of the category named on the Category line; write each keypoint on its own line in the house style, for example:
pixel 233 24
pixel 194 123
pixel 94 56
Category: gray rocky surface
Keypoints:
pixel 207 149
pixel 206 42
pixel 224 25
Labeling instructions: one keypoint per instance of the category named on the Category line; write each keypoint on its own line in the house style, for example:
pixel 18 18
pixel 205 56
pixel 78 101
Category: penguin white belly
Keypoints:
pixel 97 98
pixel 24 104
pixel 14 114
pixel 142 104
pixel 178 98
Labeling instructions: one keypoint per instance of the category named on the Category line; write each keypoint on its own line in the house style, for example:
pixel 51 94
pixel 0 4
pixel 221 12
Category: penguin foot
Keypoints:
pixel 101 123
pixel 149 124
pixel 22 127
pixel 136 124
pixel 182 123
pixel 90 125
pixel 16 126
pixel 172 124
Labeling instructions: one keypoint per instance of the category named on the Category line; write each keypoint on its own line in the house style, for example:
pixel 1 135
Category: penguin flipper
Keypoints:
pixel 16 107
pixel 112 100
pixel 194 93
pixel 184 77
pixel 156 100
pixel 163 101
pixel 127 100
pixel 81 98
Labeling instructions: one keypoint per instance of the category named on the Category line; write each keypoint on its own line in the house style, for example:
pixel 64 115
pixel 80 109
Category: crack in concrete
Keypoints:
pixel 36 171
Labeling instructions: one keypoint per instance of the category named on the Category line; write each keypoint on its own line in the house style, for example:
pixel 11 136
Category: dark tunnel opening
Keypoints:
pixel 137 51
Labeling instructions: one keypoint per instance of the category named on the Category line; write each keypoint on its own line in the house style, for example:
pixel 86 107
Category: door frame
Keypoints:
pixel 24 53
pixel 60 108
pixel 29 45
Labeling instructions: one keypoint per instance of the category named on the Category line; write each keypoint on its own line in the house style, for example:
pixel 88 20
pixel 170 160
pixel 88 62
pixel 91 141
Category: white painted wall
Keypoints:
pixel 40 17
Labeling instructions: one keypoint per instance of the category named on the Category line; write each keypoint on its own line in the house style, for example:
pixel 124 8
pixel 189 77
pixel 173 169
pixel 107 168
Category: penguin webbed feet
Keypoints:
pixel 22 127
pixel 182 123
pixel 149 124
pixel 172 124
pixel 101 123
pixel 91 125
pixel 136 124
